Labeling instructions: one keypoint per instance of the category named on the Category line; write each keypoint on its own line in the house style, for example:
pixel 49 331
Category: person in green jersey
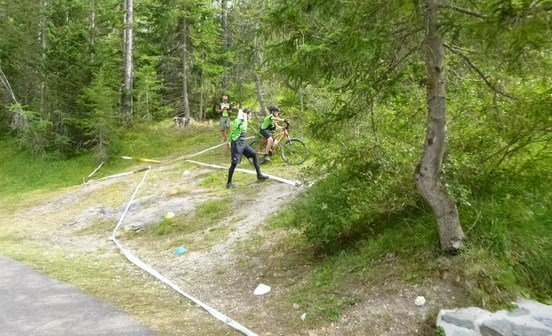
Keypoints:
pixel 225 110
pixel 238 148
pixel 267 126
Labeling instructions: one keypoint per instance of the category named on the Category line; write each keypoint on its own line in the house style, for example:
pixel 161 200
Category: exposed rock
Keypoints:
pixel 530 318
pixel 465 317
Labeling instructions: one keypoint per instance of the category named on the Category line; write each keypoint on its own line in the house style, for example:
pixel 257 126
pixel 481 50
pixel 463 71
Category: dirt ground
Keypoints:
pixel 226 271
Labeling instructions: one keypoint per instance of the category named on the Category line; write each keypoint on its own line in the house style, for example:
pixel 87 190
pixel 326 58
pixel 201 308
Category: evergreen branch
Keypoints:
pixel 463 10
pixel 483 76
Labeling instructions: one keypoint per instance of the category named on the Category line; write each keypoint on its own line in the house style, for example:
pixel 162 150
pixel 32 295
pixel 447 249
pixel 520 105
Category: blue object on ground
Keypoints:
pixel 180 250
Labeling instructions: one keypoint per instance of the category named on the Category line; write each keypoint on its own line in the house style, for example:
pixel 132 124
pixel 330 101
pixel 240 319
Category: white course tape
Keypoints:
pixel 133 259
pixel 208 149
pixel 248 171
pixel 119 175
pixel 95 170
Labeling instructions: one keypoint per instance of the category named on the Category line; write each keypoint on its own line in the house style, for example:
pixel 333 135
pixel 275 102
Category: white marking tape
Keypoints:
pixel 165 280
pixel 95 170
pixel 206 150
pixel 155 161
pixel 248 171
pixel 120 174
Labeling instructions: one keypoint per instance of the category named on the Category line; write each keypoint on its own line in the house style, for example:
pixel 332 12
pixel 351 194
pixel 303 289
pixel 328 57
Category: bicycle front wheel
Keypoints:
pixel 294 151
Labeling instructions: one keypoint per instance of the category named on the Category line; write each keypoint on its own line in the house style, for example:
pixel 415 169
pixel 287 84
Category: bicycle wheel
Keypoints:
pixel 259 149
pixel 294 151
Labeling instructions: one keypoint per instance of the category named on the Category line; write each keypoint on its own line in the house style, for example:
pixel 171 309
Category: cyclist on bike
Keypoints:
pixel 239 148
pixel 267 126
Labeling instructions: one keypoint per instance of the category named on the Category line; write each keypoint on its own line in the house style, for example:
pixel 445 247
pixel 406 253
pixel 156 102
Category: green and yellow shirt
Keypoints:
pixel 267 122
pixel 222 107
pixel 238 128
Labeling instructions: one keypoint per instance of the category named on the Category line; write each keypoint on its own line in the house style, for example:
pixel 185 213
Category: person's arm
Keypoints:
pixel 278 119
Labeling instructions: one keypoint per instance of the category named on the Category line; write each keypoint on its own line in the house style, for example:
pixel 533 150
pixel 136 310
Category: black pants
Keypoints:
pixel 239 148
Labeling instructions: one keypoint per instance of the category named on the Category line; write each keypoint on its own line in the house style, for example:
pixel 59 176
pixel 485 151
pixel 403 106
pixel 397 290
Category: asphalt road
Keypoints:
pixel 34 304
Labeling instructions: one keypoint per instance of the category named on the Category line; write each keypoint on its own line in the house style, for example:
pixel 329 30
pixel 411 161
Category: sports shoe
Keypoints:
pixel 230 185
pixel 262 177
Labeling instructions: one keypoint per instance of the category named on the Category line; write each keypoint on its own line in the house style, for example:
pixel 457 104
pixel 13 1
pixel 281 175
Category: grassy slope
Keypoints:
pixel 484 269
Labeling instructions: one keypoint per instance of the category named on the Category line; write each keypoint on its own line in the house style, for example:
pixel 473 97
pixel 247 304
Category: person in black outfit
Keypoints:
pixel 239 148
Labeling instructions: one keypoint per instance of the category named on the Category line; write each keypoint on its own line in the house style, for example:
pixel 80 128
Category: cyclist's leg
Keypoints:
pixel 269 140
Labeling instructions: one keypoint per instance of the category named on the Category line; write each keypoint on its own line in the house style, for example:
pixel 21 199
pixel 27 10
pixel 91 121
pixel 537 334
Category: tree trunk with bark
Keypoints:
pixel 260 96
pixel 185 99
pixel 225 42
pixel 428 170
pixel 19 121
pixel 128 73
pixel 43 44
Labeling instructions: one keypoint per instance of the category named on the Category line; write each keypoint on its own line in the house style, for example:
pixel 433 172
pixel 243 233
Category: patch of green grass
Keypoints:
pixel 206 214
pixel 98 228
pixel 110 278
pixel 215 179
pixel 163 139
pixel 23 172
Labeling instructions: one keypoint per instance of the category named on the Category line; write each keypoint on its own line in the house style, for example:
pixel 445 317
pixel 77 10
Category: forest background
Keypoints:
pixel 418 112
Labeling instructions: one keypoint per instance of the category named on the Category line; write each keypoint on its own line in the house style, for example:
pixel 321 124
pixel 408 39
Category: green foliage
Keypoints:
pixel 510 219
pixel 354 203
pixel 34 132
pixel 101 125
pixel 148 104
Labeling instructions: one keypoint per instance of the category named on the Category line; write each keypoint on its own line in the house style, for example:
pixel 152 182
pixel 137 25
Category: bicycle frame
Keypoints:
pixel 294 151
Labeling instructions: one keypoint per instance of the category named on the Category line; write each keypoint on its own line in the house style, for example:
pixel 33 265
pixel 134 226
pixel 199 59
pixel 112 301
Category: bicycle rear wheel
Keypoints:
pixel 294 151
pixel 260 149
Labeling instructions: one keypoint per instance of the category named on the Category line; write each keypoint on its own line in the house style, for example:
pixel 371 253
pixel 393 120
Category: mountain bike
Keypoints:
pixel 293 151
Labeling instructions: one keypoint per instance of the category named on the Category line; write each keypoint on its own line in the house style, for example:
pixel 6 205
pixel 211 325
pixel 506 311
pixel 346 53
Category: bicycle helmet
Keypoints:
pixel 274 108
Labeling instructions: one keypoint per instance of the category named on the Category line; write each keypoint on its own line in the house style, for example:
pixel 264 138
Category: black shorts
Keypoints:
pixel 239 148
pixel 265 133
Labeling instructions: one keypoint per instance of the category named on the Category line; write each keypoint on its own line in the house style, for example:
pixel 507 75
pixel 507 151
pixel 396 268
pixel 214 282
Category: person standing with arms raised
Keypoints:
pixel 238 147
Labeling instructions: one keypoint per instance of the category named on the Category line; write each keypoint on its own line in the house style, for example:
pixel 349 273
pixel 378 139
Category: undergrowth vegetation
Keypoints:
pixel 364 211
pixel 22 171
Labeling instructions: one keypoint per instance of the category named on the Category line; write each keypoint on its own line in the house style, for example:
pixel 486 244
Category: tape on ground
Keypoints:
pixel 248 171
pixel 133 259
pixel 206 150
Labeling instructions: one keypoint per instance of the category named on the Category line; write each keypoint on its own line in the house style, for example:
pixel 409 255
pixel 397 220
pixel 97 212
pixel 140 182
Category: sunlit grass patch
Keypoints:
pixel 114 280
pixel 205 215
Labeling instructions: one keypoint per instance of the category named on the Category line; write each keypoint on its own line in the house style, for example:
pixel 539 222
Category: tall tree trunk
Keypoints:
pixel 201 101
pixel 19 121
pixel 92 30
pixel 44 3
pixel 185 100
pixel 428 170
pixel 225 42
pixel 260 96
pixel 128 75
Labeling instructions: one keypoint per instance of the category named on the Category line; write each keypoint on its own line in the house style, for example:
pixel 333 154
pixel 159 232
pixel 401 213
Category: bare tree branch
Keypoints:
pixel 463 10
pixel 485 78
